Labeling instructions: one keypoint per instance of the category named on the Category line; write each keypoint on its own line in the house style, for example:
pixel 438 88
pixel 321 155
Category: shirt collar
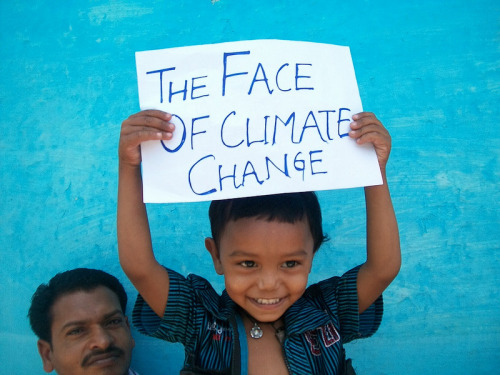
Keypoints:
pixel 223 307
pixel 304 307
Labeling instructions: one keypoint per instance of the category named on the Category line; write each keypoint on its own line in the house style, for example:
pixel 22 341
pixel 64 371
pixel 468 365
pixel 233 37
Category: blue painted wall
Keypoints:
pixel 429 69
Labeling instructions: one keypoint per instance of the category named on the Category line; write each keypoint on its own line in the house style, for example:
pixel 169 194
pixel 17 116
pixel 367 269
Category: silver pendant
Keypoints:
pixel 256 332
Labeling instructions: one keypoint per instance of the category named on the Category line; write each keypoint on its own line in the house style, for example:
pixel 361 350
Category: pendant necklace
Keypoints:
pixel 256 332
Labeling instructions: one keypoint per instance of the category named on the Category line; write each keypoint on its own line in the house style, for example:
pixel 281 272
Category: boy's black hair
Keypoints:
pixel 79 279
pixel 288 208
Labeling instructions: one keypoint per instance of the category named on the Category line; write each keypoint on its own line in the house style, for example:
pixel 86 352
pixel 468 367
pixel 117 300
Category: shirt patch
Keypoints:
pixel 327 334
pixel 219 332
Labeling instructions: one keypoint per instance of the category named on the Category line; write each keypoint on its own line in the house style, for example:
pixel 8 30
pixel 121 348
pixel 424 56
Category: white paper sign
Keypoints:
pixel 252 118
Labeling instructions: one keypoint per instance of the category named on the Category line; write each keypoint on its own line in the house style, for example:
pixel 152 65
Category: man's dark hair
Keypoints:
pixel 287 208
pixel 79 279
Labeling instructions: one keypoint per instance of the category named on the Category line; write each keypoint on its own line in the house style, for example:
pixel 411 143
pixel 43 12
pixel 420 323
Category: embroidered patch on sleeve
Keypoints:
pixel 327 334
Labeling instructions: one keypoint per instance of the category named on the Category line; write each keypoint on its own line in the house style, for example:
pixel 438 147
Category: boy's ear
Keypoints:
pixel 214 252
pixel 312 261
pixel 45 351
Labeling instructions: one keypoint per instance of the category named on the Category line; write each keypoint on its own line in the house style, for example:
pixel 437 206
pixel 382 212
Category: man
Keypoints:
pixel 79 318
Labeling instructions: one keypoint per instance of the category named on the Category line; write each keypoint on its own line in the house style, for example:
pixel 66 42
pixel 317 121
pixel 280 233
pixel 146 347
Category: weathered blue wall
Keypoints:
pixel 429 69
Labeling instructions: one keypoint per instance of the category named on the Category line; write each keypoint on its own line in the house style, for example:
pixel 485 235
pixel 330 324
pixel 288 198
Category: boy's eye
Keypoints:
pixel 290 264
pixel 248 263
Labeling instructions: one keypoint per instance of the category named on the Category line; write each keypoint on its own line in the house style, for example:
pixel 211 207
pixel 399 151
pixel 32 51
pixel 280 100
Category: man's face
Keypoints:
pixel 90 335
pixel 265 264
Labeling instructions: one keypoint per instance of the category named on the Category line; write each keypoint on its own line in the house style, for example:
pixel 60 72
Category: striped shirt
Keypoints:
pixel 208 325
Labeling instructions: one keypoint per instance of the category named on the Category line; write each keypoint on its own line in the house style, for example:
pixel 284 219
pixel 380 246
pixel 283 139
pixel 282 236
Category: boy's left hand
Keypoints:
pixel 366 128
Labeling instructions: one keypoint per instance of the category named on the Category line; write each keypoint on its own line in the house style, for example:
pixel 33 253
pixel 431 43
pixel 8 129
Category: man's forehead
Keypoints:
pixel 85 305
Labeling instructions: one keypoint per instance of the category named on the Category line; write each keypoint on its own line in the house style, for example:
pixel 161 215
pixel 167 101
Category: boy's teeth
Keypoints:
pixel 266 301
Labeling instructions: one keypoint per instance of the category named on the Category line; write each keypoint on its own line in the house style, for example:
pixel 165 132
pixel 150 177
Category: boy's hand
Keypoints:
pixel 143 126
pixel 366 128
pixel 383 253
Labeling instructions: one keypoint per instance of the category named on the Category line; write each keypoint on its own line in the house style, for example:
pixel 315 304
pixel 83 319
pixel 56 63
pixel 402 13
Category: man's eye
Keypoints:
pixel 115 322
pixel 75 332
pixel 290 264
pixel 248 263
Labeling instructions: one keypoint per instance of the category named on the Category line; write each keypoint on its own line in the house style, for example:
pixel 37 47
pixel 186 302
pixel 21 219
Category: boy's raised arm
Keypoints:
pixel 134 238
pixel 383 259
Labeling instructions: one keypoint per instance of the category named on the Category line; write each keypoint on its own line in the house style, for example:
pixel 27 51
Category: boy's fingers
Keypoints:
pixel 146 134
pixel 364 121
pixel 150 121
pixel 357 132
pixel 153 113
pixel 364 115
pixel 143 126
pixel 373 137
pixel 366 128
pixel 139 123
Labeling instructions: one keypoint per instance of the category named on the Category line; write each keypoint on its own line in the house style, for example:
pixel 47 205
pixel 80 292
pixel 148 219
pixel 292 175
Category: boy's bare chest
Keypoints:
pixel 265 355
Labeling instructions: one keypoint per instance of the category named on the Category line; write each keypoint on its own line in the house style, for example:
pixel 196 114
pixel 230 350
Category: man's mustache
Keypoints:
pixel 112 350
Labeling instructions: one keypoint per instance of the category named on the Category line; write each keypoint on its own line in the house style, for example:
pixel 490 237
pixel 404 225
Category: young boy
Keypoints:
pixel 267 321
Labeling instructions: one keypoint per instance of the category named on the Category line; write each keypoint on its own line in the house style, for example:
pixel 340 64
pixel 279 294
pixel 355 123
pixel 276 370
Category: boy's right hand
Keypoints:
pixel 134 239
pixel 148 125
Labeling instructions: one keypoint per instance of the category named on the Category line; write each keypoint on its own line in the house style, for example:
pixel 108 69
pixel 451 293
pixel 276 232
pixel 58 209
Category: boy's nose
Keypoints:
pixel 268 280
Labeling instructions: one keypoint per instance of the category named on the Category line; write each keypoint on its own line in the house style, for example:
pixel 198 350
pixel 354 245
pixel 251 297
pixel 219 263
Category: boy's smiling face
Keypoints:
pixel 265 264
